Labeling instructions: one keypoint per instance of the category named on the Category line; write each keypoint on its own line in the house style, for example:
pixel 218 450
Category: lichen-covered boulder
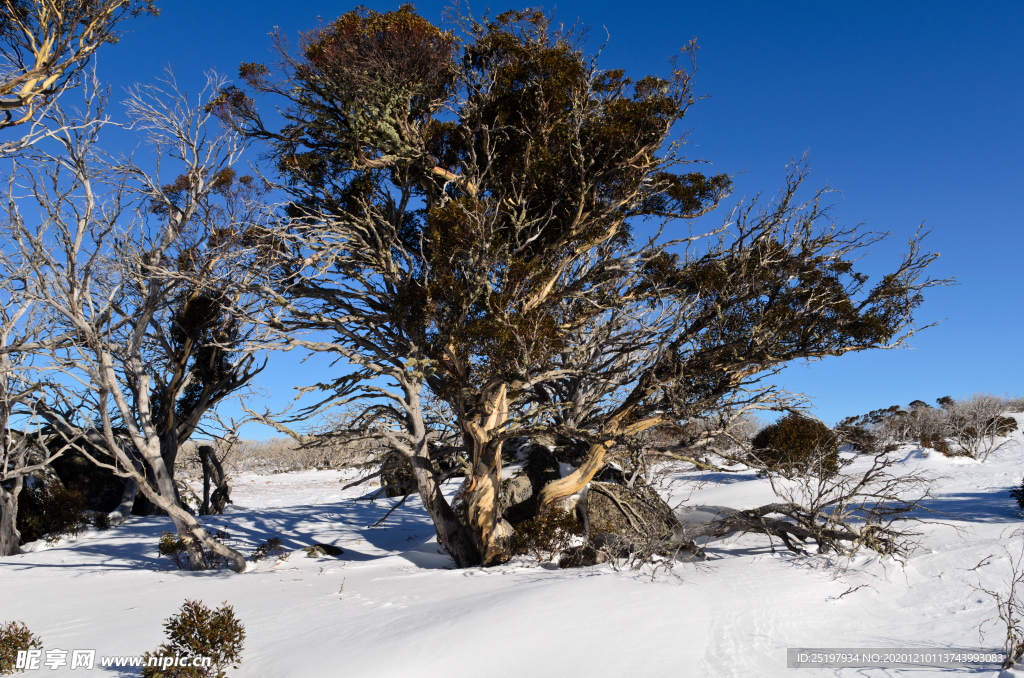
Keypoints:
pixel 519 491
pixel 322 551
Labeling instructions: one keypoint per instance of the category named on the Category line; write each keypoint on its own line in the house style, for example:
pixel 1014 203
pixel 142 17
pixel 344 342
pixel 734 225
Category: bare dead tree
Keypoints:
pixel 24 449
pixel 840 513
pixel 125 284
pixel 1009 610
pixel 974 424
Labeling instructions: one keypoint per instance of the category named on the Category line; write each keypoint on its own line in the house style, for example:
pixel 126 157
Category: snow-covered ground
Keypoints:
pixel 392 604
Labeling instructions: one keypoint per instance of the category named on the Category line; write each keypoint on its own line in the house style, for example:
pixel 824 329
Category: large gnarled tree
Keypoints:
pixel 464 211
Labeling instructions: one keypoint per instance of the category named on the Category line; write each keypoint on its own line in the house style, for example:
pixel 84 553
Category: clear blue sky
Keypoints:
pixel 912 109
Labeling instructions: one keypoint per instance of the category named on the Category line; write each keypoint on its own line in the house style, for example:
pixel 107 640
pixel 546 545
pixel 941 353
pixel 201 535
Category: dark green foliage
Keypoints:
pixel 50 510
pixel 546 535
pixel 1018 494
pixel 1004 426
pixel 171 546
pixel 939 444
pixel 197 631
pixel 272 548
pixel 15 637
pixel 858 436
pixel 945 401
pixel 101 521
pixel 796 445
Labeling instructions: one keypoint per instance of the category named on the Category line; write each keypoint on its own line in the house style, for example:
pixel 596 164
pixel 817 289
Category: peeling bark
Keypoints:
pixel 9 535
pixel 487 528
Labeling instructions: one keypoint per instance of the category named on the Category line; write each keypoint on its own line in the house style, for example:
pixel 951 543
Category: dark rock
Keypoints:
pixel 582 556
pixel 519 492
pixel 322 551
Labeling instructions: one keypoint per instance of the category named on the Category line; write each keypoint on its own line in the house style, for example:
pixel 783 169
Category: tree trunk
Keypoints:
pixel 213 471
pixel 124 509
pixel 9 535
pixel 191 532
pixel 450 532
pixel 489 531
pixel 127 505
pixel 168 491
pixel 204 510
pixel 575 481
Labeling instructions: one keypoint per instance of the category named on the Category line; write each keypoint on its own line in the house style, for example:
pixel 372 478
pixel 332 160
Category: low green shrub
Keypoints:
pixel 50 510
pixel 546 535
pixel 796 445
pixel 939 444
pixel 15 637
pixel 272 548
pixel 197 632
pixel 173 547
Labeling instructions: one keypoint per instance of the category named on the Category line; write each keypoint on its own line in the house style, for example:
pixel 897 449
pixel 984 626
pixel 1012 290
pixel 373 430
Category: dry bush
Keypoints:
pixel 273 455
pixel 971 424
pixel 1009 610
pixel 15 637
pixel 976 422
pixel 272 548
pixel 840 513
pixel 1013 404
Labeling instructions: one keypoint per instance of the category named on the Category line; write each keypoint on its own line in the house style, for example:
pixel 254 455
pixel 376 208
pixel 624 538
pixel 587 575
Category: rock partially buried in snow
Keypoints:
pixel 322 551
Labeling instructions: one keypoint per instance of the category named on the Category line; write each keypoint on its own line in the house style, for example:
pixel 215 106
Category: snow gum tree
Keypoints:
pixel 464 213
pixel 138 278
pixel 44 45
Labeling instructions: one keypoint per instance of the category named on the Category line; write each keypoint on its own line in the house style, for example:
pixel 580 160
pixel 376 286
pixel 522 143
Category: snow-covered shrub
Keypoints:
pixel 197 631
pixel 546 535
pixel 48 509
pixel 15 637
pixel 796 445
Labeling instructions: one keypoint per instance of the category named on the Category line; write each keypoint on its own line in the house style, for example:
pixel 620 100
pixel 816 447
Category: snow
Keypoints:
pixel 392 604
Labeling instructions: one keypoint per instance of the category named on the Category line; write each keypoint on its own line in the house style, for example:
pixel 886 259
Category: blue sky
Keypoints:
pixel 912 109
